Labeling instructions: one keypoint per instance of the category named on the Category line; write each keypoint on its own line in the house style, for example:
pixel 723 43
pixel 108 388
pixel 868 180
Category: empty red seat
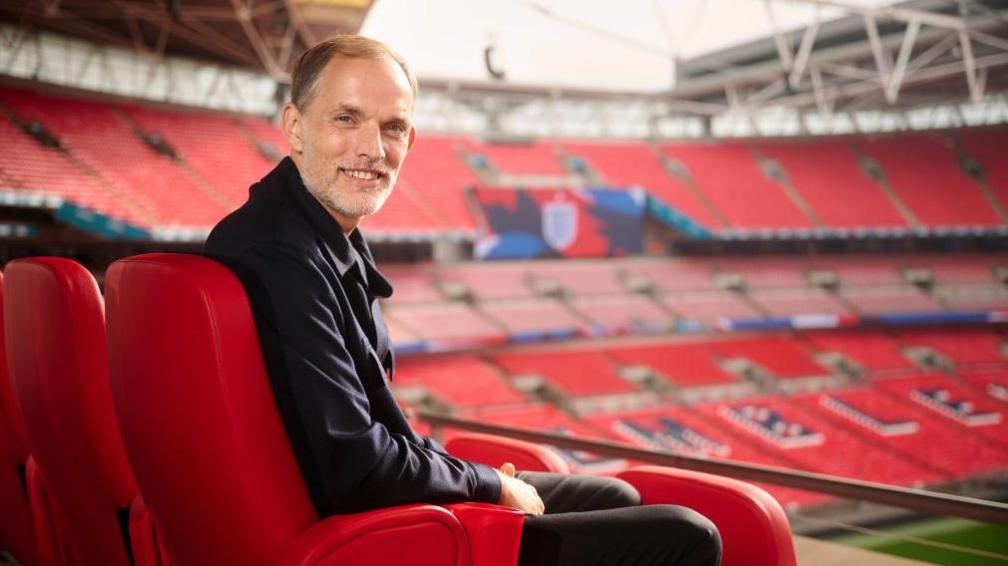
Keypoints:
pixel 16 536
pixel 211 455
pixel 81 482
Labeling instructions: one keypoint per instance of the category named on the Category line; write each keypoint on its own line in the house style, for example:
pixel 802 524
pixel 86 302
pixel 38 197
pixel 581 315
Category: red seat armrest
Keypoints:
pixel 383 536
pixel 753 525
pixel 494 532
pixel 495 450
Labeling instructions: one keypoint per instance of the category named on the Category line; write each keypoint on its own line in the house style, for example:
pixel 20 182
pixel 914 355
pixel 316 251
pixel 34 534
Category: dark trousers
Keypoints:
pixel 599 521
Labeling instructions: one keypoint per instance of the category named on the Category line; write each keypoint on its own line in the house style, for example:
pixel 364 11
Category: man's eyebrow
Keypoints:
pixel 344 108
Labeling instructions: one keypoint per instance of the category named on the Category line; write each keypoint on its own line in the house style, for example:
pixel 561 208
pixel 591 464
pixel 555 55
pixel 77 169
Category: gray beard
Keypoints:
pixel 340 208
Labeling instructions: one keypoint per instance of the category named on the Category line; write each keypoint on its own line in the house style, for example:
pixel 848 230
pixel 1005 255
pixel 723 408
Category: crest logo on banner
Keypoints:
pixel 559 223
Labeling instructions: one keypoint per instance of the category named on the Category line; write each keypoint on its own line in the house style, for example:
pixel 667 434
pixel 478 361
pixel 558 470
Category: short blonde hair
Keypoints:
pixel 309 66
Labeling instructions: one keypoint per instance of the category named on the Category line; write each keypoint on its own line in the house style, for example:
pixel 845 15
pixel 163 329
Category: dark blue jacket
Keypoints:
pixel 314 293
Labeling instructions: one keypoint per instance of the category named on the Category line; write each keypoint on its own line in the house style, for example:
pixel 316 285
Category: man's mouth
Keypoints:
pixel 363 174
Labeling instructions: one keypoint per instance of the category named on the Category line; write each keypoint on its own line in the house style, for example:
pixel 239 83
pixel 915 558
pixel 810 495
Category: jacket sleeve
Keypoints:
pixel 351 462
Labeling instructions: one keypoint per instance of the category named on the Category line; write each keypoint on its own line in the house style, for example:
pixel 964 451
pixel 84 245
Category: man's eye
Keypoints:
pixel 344 118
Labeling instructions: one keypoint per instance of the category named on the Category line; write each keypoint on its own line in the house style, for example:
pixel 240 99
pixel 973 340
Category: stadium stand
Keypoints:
pixel 576 373
pixel 943 441
pixel 685 431
pixel 780 428
pixel 579 278
pixel 626 164
pixel 671 275
pixel 213 145
pixel 830 195
pixel 782 356
pixel 986 146
pixel 26 165
pixel 888 299
pixel 487 281
pixel 102 138
pixel 534 316
pixel 685 364
pixel 710 307
pixel 872 351
pixel 538 158
pixel 619 313
pixel 957 202
pixel 443 321
pixel 962 347
pixel 790 302
pixel 481 386
pixel 437 174
pixel 731 179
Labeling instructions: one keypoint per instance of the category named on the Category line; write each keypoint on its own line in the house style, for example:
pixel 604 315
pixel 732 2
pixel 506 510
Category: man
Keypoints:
pixel 314 290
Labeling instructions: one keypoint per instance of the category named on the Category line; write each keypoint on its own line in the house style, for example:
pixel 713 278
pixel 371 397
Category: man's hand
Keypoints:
pixel 518 494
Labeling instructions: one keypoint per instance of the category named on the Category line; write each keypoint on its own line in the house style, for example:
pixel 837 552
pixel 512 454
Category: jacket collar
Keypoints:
pixel 332 233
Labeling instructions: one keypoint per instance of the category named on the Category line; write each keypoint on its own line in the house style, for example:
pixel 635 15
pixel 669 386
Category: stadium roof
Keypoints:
pixel 252 33
pixel 701 57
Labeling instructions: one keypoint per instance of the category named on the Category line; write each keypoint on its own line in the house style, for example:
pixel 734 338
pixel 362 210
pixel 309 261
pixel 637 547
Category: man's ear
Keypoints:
pixel 412 138
pixel 291 124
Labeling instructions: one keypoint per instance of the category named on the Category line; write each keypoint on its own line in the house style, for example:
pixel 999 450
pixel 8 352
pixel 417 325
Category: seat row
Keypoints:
pixel 147 434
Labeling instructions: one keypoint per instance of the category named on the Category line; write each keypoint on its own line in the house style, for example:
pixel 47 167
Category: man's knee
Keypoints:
pixel 699 535
pixel 619 493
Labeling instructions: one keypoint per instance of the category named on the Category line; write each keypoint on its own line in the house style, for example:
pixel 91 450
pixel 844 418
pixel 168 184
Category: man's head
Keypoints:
pixel 349 123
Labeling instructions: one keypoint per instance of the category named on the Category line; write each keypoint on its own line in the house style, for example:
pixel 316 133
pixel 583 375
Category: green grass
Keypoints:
pixel 959 532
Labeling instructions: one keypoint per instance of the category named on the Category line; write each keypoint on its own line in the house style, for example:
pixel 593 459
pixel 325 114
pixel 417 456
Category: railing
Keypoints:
pixel 913 499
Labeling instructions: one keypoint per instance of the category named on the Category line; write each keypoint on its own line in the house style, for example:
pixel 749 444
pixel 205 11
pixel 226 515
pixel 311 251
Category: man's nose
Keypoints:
pixel 369 142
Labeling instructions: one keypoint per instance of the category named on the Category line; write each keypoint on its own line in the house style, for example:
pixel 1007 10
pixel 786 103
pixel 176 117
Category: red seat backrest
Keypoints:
pixel 16 534
pixel 55 336
pixel 182 341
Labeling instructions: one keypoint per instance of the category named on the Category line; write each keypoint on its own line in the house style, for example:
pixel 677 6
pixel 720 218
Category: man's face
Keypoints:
pixel 350 140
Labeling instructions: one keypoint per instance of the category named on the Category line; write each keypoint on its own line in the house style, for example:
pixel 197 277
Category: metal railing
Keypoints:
pixel 919 500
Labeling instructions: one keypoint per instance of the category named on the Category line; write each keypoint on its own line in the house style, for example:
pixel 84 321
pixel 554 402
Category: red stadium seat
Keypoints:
pixel 16 536
pixel 751 522
pixel 211 455
pixel 80 485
